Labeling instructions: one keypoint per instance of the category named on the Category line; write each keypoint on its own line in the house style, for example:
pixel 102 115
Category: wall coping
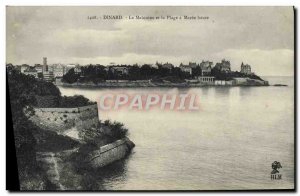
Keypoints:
pixel 66 109
pixel 87 106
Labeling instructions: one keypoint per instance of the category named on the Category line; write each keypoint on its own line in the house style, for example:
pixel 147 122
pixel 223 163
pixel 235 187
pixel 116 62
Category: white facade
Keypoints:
pixel 186 69
pixel 77 69
pixel 206 79
pixel 48 76
pixel 24 67
pixel 31 71
pixel 39 68
pixel 58 70
pixel 220 82
pixel 120 70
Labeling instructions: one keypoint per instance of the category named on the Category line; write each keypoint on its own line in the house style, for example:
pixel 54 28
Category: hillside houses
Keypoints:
pixel 206 67
pixel 39 68
pixel 205 72
pixel 31 71
pixel 224 66
pixel 193 65
pixel 186 68
pixel 167 65
pixel 246 69
pixel 23 67
pixel 119 70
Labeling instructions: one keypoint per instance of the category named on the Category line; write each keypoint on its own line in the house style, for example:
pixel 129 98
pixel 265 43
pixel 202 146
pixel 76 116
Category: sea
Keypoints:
pixel 230 143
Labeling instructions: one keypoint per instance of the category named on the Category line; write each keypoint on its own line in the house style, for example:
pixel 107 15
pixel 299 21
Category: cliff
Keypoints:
pixel 47 135
pixel 71 170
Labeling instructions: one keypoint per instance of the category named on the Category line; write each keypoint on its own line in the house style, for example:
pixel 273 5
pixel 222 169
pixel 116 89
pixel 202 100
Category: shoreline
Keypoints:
pixel 152 85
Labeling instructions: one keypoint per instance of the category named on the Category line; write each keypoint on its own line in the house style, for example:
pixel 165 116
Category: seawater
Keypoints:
pixel 229 143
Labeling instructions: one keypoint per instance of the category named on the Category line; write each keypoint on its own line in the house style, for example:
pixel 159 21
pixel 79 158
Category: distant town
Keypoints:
pixel 204 73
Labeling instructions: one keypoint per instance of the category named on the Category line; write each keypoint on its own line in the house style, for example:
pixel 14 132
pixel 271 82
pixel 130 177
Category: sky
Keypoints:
pixel 260 36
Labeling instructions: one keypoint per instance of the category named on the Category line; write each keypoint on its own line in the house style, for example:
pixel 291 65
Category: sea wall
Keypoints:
pixel 63 119
pixel 109 153
pixel 110 84
pixel 187 84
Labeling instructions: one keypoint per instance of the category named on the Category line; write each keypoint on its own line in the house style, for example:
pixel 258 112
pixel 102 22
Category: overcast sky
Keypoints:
pixel 260 36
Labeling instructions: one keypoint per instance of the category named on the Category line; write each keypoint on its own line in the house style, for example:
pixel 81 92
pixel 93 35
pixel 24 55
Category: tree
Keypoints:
pixel 134 73
pixel 22 95
pixel 70 77
pixel 196 71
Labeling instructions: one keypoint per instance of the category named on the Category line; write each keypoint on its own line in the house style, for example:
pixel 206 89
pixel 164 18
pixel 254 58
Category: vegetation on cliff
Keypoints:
pixel 21 95
pixel 23 92
pixel 229 76
pixel 111 131
pixel 26 92
pixel 95 137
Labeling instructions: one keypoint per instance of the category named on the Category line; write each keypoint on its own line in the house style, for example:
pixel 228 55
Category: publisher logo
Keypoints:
pixel 275 172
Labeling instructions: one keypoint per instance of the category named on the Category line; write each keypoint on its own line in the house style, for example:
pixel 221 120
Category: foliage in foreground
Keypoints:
pixel 23 93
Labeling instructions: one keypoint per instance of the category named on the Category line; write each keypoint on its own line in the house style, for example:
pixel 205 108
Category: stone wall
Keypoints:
pixel 63 119
pixel 110 153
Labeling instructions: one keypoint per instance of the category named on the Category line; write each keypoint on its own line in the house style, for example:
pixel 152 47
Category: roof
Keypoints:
pixel 185 66
pixel 167 65
pixel 30 69
pixel 119 67
pixel 205 64
pixel 245 65
pixel 24 65
pixel 38 65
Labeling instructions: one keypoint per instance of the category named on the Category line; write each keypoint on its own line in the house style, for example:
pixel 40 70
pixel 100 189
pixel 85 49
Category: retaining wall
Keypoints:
pixel 62 119
pixel 110 153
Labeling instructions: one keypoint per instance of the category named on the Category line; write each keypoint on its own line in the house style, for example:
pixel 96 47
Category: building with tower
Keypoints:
pixel 206 67
pixel 47 74
pixel 245 69
pixel 224 66
pixel 185 68
pixel 45 65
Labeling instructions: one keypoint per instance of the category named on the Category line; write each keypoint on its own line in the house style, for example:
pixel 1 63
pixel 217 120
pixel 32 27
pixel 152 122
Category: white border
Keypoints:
pixel 4 3
pixel 154 2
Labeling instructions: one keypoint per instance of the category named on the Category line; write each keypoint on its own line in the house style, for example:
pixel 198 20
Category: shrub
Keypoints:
pixel 117 129
pixel 75 101
pixel 107 122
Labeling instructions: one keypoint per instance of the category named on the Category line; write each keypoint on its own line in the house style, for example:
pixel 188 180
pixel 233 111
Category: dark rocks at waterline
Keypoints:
pixel 69 169
pixel 109 153
pixel 280 85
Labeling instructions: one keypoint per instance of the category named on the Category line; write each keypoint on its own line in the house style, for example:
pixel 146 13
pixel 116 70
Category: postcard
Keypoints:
pixel 153 98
